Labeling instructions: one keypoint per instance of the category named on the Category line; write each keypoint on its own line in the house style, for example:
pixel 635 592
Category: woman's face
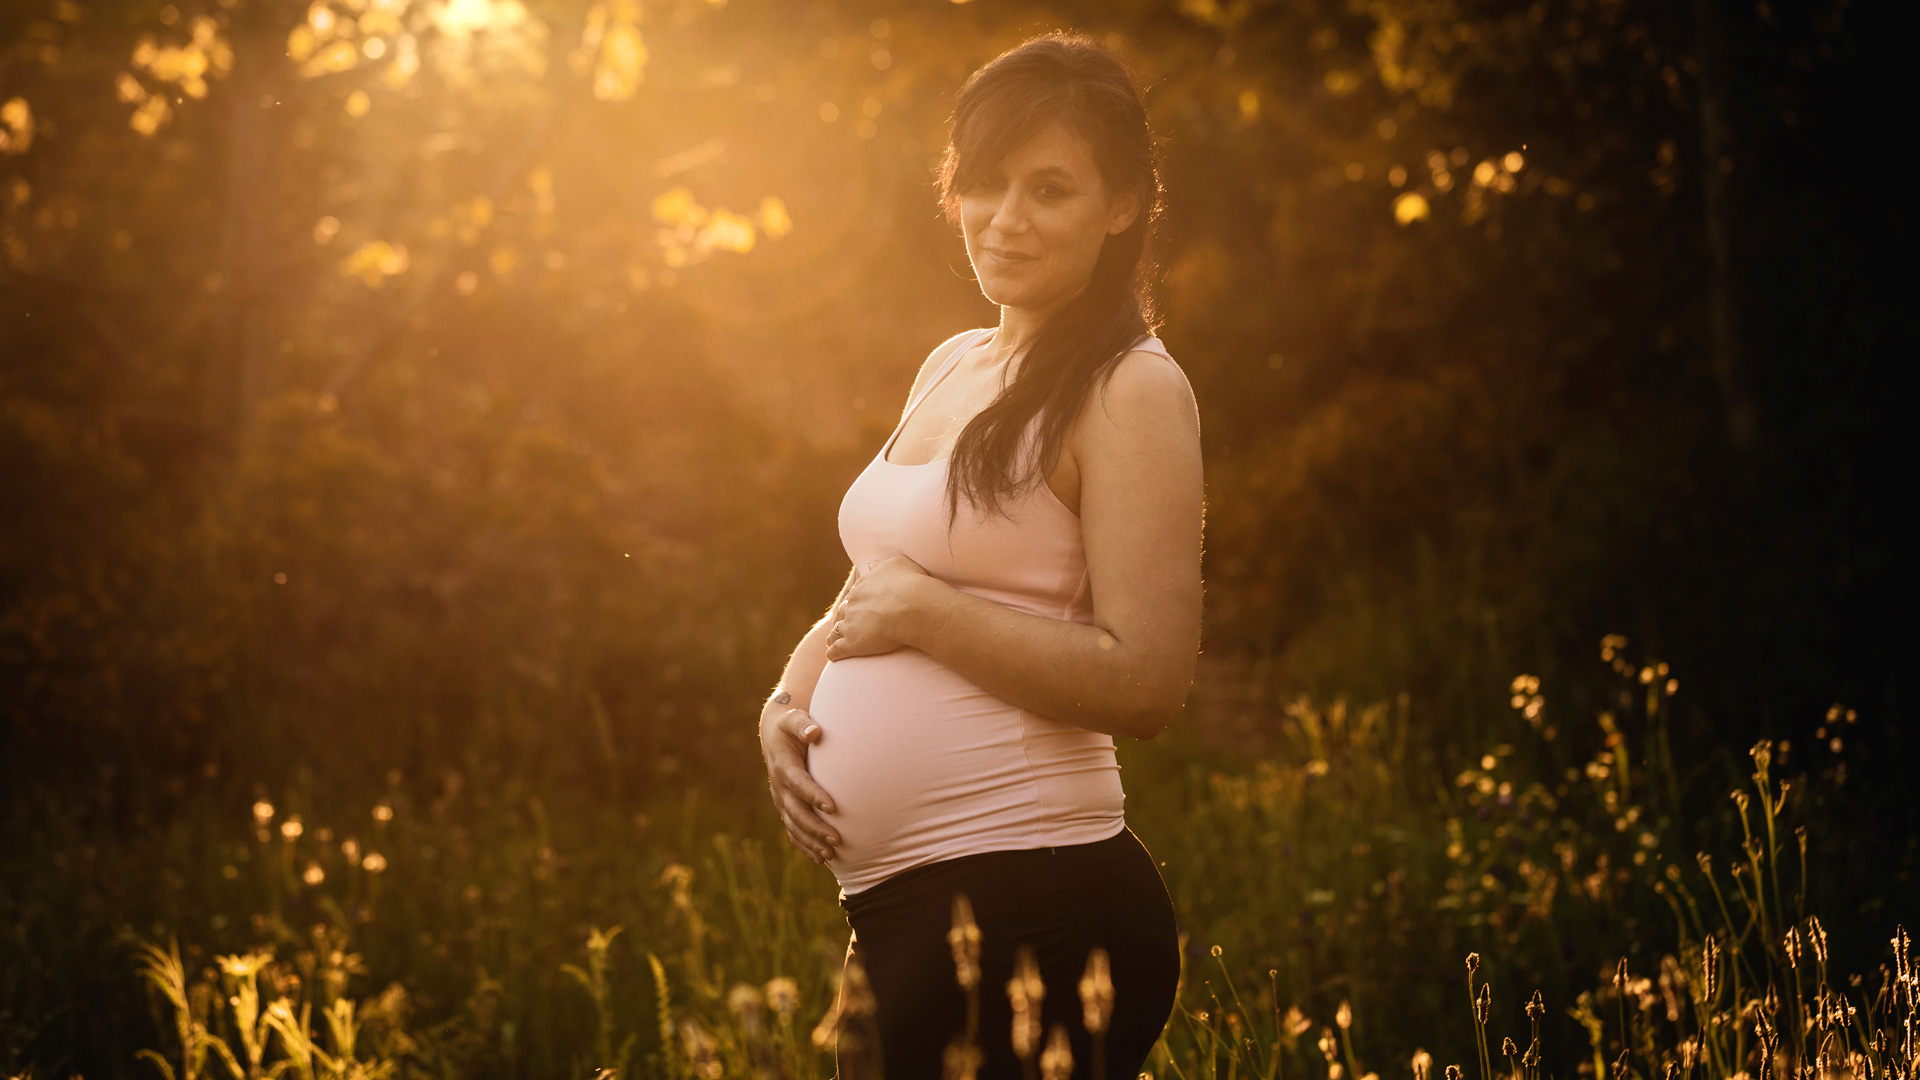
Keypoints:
pixel 1035 222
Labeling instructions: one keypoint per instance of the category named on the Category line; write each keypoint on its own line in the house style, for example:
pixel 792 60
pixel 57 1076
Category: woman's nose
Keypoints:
pixel 1010 216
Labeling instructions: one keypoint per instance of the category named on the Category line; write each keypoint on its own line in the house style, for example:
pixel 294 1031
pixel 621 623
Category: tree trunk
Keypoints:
pixel 1716 164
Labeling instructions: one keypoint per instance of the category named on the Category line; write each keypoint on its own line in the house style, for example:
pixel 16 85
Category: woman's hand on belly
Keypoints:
pixel 785 734
pixel 880 597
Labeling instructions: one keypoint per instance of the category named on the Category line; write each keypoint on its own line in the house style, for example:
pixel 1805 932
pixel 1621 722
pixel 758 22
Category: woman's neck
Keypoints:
pixel 1018 329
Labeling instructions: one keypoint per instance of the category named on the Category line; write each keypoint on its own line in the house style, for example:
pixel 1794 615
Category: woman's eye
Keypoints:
pixel 1051 191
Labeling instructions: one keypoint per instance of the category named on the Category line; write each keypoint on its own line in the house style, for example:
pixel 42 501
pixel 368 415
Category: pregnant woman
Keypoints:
pixel 1025 588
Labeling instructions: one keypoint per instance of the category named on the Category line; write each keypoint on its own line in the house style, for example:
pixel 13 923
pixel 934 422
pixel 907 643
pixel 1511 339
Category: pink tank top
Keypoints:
pixel 923 764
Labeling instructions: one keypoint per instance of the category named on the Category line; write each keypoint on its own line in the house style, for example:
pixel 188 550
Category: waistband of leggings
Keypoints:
pixel 981 862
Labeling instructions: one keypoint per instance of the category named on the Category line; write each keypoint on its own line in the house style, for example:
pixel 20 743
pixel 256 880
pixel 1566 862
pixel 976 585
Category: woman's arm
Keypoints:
pixel 786 731
pixel 1141 504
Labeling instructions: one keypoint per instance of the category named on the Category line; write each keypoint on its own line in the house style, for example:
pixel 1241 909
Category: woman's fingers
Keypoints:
pixel 804 806
pixel 801 818
pixel 813 851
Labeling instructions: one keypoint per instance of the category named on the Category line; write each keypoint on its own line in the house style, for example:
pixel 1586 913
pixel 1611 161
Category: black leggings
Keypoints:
pixel 1061 901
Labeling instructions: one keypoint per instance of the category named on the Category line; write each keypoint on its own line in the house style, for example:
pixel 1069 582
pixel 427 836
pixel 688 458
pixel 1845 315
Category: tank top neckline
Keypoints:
pixel 946 368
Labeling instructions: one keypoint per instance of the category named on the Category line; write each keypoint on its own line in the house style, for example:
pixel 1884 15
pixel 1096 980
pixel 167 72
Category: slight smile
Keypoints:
pixel 1008 256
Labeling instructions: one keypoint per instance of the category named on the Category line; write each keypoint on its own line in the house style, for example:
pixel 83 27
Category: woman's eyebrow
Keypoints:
pixel 1049 172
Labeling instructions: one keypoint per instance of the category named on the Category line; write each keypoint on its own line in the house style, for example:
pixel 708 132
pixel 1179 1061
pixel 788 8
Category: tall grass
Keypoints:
pixel 1328 893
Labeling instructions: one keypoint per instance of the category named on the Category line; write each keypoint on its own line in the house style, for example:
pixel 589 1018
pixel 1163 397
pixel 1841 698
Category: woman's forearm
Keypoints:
pixel 802 673
pixel 1076 673
pixel 809 659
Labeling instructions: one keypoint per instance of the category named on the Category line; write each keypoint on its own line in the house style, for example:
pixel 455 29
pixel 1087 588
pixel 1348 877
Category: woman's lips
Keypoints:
pixel 1008 256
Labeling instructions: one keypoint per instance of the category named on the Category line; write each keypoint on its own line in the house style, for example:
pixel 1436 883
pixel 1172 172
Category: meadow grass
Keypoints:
pixel 1349 911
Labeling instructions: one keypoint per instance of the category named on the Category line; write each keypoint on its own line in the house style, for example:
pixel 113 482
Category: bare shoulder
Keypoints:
pixel 1149 389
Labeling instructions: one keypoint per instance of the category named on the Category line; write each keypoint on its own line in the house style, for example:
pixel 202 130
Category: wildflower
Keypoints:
pixel 856 994
pixel 1343 1016
pixel 244 966
pixel 703 1053
pixel 783 997
pixel 828 1028
pixel 1328 1046
pixel 1056 1062
pixel 1422 1064
pixel 1295 1025
pixel 1096 992
pixel 744 1001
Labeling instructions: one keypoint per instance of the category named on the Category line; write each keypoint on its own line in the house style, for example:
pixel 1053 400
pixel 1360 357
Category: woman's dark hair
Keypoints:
pixel 1083 85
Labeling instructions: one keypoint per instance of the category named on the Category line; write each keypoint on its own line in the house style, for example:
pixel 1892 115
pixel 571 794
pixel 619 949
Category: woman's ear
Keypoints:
pixel 1123 212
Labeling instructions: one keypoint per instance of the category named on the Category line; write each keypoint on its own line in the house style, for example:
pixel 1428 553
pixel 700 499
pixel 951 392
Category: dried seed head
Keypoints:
pixel 783 997
pixel 1817 937
pixel 1483 1005
pixel 745 1001
pixel 1297 1023
pixel 961 1061
pixel 1792 946
pixel 1536 1007
pixel 1620 974
pixel 1673 1070
pixel 1096 992
pixel 1507 1046
pixel 1762 757
pixel 1056 1062
pixel 1328 1047
pixel 1532 1057
pixel 1473 963
pixel 856 994
pixel 1422 1065
pixel 1621 1064
pixel 1025 991
pixel 964 939
pixel 1343 1016
pixel 1710 971
pixel 1740 800
pixel 1453 1072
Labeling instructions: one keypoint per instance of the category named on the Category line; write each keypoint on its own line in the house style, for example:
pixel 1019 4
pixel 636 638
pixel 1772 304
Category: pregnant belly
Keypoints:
pixel 922 765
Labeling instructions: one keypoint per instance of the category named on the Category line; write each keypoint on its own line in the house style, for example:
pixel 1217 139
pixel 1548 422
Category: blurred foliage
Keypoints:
pixel 401 390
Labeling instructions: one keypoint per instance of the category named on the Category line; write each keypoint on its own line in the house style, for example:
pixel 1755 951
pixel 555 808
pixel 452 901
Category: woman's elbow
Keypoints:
pixel 1148 718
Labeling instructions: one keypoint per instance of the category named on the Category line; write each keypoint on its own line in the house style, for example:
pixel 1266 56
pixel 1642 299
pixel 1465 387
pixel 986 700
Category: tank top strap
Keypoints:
pixel 959 343
pixel 957 347
pixel 1149 343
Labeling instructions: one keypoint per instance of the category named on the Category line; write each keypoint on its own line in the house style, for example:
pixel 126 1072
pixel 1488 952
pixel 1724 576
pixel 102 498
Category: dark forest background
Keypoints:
pixel 477 403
